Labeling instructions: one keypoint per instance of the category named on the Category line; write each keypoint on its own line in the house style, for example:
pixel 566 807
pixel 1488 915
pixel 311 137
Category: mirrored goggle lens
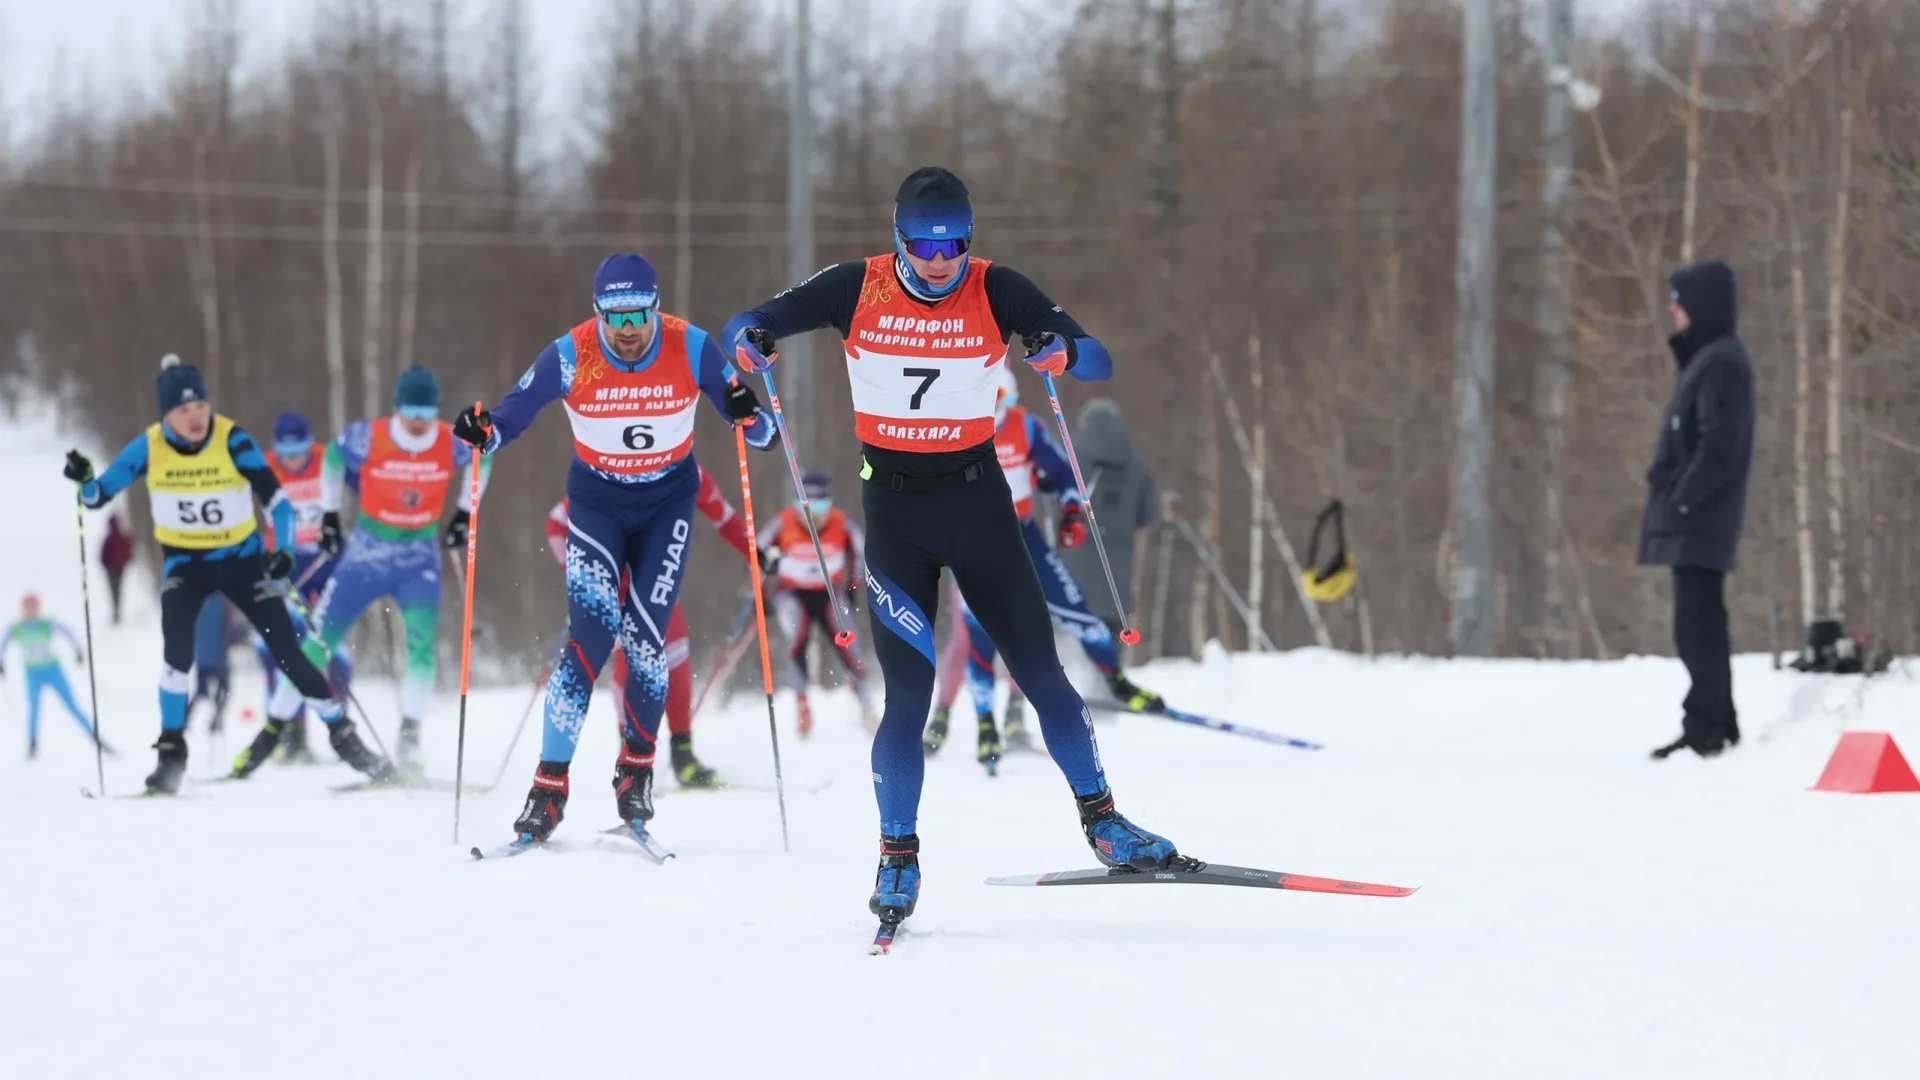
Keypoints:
pixel 927 249
pixel 419 412
pixel 294 448
pixel 819 506
pixel 630 317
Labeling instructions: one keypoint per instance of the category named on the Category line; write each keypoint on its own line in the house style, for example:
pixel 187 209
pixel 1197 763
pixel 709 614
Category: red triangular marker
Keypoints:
pixel 1867 762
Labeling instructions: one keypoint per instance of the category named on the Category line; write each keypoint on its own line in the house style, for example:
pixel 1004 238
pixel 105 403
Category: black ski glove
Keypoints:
pixel 79 469
pixel 456 534
pixel 742 403
pixel 473 426
pixel 330 543
pixel 769 561
pixel 280 565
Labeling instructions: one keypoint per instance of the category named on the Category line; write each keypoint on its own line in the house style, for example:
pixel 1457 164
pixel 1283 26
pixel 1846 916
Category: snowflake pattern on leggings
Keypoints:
pixel 567 698
pixel 594 586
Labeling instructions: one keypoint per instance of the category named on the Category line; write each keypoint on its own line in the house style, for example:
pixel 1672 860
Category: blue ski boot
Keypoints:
pixel 1119 842
pixel 896 887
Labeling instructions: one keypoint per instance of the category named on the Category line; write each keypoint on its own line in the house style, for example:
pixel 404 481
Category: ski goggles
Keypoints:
pixel 293 448
pixel 627 317
pixel 927 249
pixel 419 412
pixel 819 507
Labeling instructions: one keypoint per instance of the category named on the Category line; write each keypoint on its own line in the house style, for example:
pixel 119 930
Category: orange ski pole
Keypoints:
pixel 760 618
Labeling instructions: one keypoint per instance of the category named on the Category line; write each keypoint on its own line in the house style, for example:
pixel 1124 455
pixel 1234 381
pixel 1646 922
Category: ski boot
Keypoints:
pixel 987 751
pixel 932 739
pixel 294 749
pixel 546 803
pixel 1018 740
pixel 346 742
pixel 1119 842
pixel 633 780
pixel 249 760
pixel 166 776
pixel 806 715
pixel 407 759
pixel 896 886
pixel 687 768
pixel 1133 697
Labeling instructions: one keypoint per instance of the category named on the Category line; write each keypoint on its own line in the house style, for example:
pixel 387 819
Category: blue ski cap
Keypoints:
pixel 416 394
pixel 818 489
pixel 625 282
pixel 292 435
pixel 932 204
pixel 178 384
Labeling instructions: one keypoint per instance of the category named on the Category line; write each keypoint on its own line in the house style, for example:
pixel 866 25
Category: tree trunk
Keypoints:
pixel 330 268
pixel 1837 353
pixel 1554 317
pixel 1690 202
pixel 410 262
pixel 372 317
pixel 1257 478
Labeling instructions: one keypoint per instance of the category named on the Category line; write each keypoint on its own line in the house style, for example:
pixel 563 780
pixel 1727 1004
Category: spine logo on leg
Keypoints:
pixel 898 612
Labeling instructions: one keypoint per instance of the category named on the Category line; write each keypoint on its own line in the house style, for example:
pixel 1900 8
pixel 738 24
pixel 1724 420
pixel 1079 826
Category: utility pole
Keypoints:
pixel 796 371
pixel 1554 319
pixel 1473 334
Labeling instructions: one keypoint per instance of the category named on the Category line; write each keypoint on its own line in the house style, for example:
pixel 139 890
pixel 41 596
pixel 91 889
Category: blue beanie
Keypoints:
pixel 178 383
pixel 624 281
pixel 932 204
pixel 817 485
pixel 416 387
pixel 291 427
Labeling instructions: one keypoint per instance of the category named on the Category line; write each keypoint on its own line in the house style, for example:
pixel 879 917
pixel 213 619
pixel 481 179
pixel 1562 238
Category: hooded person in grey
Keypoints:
pixel 1126 499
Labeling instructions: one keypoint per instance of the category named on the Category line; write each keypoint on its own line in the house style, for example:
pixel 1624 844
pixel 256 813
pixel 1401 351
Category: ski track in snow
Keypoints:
pixel 1584 913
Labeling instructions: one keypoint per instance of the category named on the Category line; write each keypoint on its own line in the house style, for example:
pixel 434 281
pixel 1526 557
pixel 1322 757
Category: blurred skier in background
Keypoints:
pixel 204 473
pixel 802 603
pixel 116 551
pixel 34 635
pixel 1027 453
pixel 299 470
pixel 402 467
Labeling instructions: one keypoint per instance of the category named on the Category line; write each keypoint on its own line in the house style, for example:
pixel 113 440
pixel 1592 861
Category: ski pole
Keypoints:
pixel 1206 559
pixel 1127 632
pixel 760 617
pixel 725 658
pixel 93 681
pixel 1212 725
pixel 466 635
pixel 300 583
pixel 843 636
pixel 313 635
pixel 539 684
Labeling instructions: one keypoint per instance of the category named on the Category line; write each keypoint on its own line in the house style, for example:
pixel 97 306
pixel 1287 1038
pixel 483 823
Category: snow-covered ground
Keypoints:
pixel 1583 913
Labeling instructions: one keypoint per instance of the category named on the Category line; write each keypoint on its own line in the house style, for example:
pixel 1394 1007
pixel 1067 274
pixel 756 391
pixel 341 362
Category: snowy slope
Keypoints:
pixel 1584 912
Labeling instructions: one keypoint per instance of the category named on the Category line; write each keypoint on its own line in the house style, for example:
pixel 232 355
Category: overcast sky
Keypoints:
pixel 108 44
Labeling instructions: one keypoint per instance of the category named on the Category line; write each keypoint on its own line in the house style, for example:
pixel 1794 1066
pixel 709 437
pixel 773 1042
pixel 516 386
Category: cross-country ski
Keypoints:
pixel 1200 873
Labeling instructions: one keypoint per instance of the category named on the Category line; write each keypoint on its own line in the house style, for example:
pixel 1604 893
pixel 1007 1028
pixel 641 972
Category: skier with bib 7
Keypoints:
pixel 926 327
pixel 631 379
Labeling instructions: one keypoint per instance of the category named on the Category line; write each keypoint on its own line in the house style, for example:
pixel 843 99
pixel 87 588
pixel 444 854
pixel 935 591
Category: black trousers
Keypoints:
pixel 244 581
pixel 1700 636
pixel 972 530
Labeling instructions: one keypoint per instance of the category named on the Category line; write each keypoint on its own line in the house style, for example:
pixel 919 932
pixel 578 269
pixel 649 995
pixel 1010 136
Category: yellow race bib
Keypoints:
pixel 200 501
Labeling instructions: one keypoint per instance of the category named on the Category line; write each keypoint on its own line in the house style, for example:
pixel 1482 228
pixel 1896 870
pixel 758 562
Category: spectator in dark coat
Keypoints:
pixel 1127 497
pixel 1697 495
pixel 116 551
